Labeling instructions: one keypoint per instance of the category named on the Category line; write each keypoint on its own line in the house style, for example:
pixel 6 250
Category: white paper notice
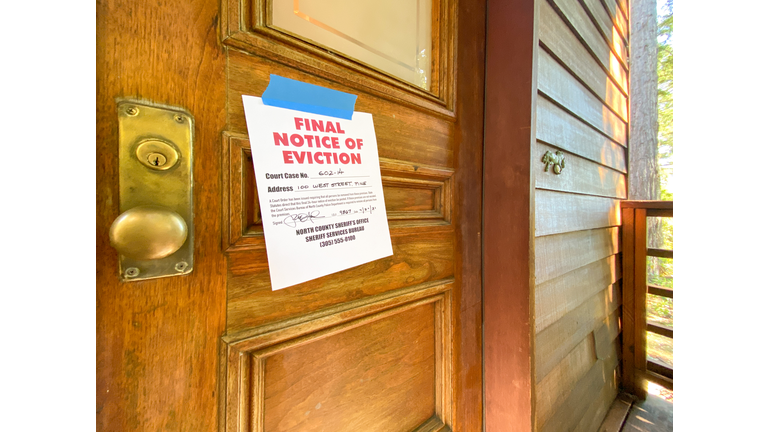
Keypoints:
pixel 319 184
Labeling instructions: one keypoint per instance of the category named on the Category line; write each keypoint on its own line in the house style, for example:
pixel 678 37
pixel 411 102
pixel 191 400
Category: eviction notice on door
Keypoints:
pixel 320 192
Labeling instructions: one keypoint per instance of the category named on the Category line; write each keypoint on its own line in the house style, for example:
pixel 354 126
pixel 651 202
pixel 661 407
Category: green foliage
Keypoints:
pixel 660 308
pixel 665 95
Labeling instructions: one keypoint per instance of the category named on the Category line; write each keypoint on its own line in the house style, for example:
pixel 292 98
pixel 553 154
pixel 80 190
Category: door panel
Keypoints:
pixel 379 374
pixel 366 365
pixel 391 345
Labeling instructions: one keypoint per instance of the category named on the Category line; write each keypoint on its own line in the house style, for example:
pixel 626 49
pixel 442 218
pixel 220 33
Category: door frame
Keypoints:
pixel 509 216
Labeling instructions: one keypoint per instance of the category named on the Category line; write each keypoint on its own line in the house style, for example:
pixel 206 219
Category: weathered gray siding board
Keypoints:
pixel 559 128
pixel 557 297
pixel 600 405
pixel 554 388
pixel 578 18
pixel 559 39
pixel 582 111
pixel 619 20
pixel 580 176
pixel 624 8
pixel 589 388
pixel 559 254
pixel 560 86
pixel 556 341
pixel 605 25
pixel 555 392
pixel 605 334
pixel 558 212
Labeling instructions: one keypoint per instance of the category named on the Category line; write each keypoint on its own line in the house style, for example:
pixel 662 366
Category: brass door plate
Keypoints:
pixel 155 153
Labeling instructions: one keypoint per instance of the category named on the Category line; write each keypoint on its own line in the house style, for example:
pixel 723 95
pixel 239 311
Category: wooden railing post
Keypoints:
pixel 628 300
pixel 635 365
pixel 640 293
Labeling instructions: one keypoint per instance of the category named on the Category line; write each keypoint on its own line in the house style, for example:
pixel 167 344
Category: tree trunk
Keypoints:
pixel 644 182
pixel 644 124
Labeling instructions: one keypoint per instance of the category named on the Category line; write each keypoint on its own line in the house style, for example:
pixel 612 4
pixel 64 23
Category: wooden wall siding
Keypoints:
pixel 583 24
pixel 576 18
pixel 554 388
pixel 582 110
pixel 560 254
pixel 620 21
pixel 558 38
pixel 558 212
pixel 559 85
pixel 602 402
pixel 584 393
pixel 559 128
pixel 581 176
pixel 556 341
pixel 559 296
pixel 604 22
pixel 624 7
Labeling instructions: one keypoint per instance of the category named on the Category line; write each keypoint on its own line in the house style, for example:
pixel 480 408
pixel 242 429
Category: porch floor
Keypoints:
pixel 654 414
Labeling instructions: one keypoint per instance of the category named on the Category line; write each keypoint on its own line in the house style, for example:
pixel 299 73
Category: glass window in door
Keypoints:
pixel 394 36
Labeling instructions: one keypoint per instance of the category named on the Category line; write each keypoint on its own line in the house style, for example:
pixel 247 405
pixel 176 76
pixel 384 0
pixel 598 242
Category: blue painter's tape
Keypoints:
pixel 296 95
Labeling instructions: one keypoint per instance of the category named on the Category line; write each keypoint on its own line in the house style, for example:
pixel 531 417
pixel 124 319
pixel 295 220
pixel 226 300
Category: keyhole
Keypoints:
pixel 156 159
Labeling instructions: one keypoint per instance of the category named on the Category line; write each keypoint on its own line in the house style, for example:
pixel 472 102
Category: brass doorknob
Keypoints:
pixel 148 232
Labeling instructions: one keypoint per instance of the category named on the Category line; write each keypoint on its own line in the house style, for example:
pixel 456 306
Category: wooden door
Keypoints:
pixel 392 345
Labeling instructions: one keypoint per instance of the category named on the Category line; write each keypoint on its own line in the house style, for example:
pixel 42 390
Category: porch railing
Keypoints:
pixel 636 367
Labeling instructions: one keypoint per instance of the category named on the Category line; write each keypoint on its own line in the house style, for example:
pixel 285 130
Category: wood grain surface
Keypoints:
pixel 508 215
pixel 583 24
pixel 430 148
pixel 585 392
pixel 620 21
pixel 556 297
pixel 578 20
pixel 157 340
pixel 467 300
pixel 602 402
pixel 557 340
pixel 565 45
pixel 580 176
pixel 559 254
pixel 604 22
pixel 562 87
pixel 360 361
pixel 559 128
pixel 386 370
pixel 553 389
pixel 582 112
pixel 558 212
